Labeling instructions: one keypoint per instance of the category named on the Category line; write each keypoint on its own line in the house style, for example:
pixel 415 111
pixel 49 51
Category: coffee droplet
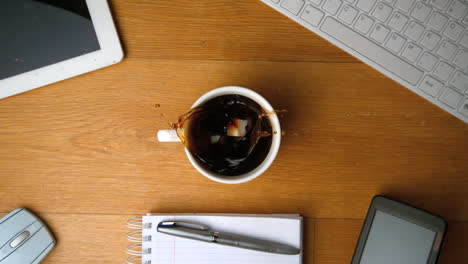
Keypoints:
pixel 229 135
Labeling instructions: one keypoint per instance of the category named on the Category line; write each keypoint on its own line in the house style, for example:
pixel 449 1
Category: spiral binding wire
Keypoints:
pixel 135 223
pixel 135 249
pixel 136 260
pixel 133 260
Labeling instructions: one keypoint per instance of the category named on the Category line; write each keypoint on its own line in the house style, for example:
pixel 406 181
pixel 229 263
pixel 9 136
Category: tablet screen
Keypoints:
pixel 38 33
pixel 395 240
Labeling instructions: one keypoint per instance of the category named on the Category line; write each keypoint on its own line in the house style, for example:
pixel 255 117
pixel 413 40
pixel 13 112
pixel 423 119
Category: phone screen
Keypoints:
pixel 394 240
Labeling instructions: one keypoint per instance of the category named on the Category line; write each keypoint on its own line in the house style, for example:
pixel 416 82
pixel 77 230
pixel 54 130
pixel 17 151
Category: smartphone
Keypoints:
pixel 398 233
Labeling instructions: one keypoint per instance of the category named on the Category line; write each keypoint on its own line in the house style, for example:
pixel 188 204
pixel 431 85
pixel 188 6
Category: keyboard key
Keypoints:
pixel 437 21
pixel 443 71
pixel 382 12
pixel 457 9
pixel 364 23
pixel 398 21
pixel 312 15
pixel 430 40
pixel 348 14
pixel 464 108
pixel 332 6
pixel 395 42
pixel 404 5
pixel 461 60
pixel 464 40
pixel 451 97
pixel 453 31
pixel 316 2
pixel 380 33
pixel 427 61
pixel 411 52
pixel 414 30
pixel 440 4
pixel 431 86
pixel 459 81
pixel 275 1
pixel 446 50
pixel 293 6
pixel 421 11
pixel 408 56
pixel 366 5
pixel 372 51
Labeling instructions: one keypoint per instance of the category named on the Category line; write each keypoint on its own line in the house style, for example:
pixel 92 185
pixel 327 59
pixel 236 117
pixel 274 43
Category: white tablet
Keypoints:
pixel 46 41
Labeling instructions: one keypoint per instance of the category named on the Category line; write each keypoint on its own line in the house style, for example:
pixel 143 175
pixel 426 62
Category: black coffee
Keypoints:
pixel 229 135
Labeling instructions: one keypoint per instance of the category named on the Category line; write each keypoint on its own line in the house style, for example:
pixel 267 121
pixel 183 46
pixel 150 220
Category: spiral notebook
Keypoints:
pixel 152 247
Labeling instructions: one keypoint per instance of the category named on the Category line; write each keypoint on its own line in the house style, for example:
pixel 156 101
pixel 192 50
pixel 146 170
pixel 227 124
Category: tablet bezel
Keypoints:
pixel 110 53
pixel 408 213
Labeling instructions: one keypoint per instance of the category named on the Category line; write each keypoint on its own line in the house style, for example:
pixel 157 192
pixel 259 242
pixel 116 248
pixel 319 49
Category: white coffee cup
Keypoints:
pixel 171 135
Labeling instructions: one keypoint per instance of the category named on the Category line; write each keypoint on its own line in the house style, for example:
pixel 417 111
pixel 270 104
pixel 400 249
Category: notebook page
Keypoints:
pixel 166 249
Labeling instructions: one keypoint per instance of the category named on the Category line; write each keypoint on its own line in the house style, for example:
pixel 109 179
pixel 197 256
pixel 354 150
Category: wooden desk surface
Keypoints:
pixel 82 153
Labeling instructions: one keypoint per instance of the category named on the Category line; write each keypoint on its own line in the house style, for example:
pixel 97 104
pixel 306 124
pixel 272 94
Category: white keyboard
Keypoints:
pixel 421 44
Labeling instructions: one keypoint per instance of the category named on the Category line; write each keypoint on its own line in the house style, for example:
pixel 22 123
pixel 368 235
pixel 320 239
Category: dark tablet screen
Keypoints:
pixel 38 33
pixel 394 240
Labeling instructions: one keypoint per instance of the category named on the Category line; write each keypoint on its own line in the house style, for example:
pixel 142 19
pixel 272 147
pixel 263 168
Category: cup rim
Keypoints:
pixel 276 140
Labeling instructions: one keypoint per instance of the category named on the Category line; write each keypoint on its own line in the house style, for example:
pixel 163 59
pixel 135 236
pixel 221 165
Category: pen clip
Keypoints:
pixel 183 224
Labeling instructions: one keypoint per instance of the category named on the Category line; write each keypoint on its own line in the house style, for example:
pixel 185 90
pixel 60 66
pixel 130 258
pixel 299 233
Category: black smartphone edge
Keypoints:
pixel 361 242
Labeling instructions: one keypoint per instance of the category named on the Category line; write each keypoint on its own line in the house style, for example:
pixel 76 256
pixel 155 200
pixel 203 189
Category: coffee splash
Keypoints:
pixel 229 135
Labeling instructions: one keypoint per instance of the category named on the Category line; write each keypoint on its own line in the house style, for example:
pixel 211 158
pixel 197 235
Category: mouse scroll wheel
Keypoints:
pixel 19 239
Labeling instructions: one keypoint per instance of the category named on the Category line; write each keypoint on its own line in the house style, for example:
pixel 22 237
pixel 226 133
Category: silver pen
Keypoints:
pixel 202 233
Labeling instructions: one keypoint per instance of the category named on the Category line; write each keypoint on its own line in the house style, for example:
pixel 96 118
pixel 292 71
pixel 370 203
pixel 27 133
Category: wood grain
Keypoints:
pixel 87 145
pixel 87 238
pixel 83 153
pixel 217 29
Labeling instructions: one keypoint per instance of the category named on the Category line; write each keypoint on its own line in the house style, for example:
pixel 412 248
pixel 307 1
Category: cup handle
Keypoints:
pixel 168 135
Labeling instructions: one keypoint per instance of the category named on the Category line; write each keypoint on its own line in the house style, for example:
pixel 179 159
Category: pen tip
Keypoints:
pixel 288 250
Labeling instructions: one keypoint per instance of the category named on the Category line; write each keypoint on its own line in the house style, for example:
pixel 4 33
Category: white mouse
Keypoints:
pixel 24 238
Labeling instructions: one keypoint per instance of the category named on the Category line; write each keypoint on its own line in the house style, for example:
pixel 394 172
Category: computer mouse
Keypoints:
pixel 24 238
